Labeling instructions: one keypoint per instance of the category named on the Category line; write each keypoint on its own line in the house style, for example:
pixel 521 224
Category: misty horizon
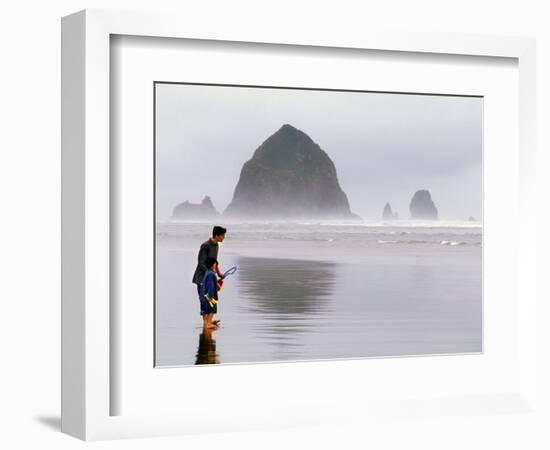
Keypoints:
pixel 385 147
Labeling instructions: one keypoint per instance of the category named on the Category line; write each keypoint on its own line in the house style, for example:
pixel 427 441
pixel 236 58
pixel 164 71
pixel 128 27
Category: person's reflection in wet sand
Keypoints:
pixel 206 353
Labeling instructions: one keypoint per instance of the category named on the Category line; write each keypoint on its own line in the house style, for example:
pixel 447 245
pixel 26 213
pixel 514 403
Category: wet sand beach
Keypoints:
pixel 307 291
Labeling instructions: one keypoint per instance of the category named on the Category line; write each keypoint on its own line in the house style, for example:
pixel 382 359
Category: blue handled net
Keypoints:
pixel 230 271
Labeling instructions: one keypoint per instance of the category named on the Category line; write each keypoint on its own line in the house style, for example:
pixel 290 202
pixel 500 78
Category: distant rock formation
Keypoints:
pixel 388 214
pixel 422 206
pixel 289 177
pixel 472 219
pixel 195 211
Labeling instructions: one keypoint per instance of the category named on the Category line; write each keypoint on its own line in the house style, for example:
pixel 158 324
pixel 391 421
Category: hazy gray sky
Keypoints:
pixel 384 146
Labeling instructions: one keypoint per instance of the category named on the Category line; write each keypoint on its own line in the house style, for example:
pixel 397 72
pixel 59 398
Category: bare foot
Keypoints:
pixel 216 322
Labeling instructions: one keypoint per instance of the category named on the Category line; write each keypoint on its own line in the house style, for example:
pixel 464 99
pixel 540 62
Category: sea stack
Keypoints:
pixel 422 206
pixel 388 214
pixel 195 211
pixel 289 177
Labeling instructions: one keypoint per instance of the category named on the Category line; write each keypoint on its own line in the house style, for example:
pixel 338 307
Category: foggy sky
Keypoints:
pixel 384 146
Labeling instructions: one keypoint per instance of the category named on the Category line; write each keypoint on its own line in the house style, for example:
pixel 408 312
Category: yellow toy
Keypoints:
pixel 211 301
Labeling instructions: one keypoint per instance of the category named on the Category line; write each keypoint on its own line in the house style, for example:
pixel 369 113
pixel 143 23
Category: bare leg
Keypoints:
pixel 215 322
pixel 212 321
pixel 208 321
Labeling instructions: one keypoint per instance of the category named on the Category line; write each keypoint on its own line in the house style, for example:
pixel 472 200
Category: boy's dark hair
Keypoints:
pixel 218 231
pixel 210 262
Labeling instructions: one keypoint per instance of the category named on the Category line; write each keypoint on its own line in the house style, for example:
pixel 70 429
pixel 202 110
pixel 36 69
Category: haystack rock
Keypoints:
pixel 289 177
pixel 422 206
pixel 195 211
pixel 388 214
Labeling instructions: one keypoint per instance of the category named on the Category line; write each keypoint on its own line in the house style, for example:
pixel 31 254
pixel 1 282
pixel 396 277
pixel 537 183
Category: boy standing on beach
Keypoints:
pixel 208 249
pixel 208 294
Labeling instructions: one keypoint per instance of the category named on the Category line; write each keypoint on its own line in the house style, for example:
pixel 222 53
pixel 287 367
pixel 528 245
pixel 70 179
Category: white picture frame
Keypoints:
pixel 87 385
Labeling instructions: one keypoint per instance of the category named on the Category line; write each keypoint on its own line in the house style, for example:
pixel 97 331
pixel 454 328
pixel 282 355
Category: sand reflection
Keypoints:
pixel 287 291
pixel 206 353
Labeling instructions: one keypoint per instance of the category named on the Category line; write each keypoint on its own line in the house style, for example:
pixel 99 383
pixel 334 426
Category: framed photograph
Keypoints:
pixel 278 217
pixel 322 265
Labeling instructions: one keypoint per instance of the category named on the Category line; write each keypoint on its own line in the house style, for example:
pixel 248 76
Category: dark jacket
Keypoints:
pixel 208 249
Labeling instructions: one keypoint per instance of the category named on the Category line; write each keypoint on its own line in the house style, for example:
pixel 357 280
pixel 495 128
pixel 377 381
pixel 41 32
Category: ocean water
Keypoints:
pixel 309 290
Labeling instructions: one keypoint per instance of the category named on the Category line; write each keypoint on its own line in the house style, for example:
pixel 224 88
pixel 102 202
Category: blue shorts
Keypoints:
pixel 205 306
